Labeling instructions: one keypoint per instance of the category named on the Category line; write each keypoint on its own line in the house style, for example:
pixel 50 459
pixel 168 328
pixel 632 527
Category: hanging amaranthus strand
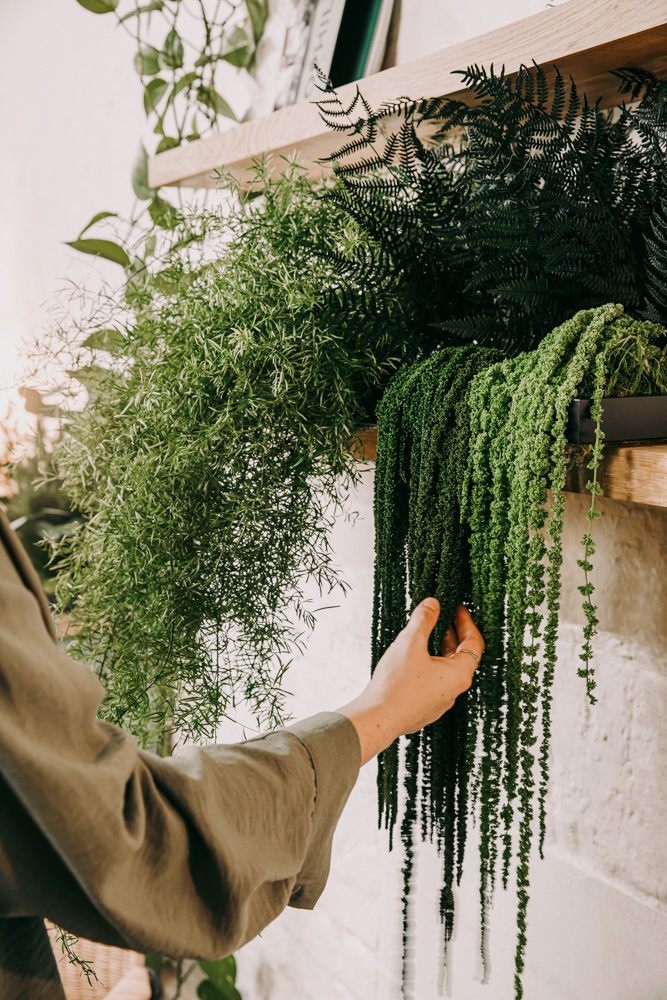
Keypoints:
pixel 471 467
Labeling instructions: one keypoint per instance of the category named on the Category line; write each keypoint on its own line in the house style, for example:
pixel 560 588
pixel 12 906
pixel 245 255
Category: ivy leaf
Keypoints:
pixel 212 99
pixel 184 83
pixel 146 61
pixel 97 218
pixel 258 13
pixel 144 9
pixel 221 972
pixel 239 50
pixel 153 93
pixel 171 56
pixel 194 131
pixel 99 6
pixel 163 213
pixel 221 977
pixel 140 183
pixel 112 341
pixel 102 248
pixel 166 142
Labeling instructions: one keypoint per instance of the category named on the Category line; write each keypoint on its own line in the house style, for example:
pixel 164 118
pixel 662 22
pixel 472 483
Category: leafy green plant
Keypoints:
pixel 37 504
pixel 219 982
pixel 213 455
pixel 228 376
pixel 524 205
pixel 468 449
pixel 178 59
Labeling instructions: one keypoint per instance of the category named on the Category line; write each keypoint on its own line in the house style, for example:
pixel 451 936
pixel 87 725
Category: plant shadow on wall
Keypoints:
pixel 230 373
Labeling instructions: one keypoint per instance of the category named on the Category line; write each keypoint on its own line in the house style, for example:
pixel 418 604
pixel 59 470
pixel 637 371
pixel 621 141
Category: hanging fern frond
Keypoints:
pixel 538 204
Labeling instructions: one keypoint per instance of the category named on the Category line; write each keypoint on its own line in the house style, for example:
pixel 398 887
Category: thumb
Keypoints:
pixel 424 616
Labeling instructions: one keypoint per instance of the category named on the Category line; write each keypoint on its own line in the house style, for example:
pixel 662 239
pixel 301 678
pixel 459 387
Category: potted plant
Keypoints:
pixel 230 374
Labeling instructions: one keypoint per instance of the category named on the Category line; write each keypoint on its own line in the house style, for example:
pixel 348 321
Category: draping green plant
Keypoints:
pixel 468 449
pixel 212 456
pixel 180 52
pixel 523 207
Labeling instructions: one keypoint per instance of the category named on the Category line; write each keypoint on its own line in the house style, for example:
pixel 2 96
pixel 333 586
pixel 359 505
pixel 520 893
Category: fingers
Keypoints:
pixel 424 617
pixel 450 642
pixel 469 635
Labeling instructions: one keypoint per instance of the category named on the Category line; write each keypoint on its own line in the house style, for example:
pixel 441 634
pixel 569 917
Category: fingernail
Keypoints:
pixel 431 603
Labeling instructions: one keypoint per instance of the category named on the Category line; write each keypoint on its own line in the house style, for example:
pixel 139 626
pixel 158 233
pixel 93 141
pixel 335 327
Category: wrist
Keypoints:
pixel 373 728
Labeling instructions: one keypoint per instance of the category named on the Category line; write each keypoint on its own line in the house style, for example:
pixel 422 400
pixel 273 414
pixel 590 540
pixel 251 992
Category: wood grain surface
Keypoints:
pixel 584 38
pixel 634 472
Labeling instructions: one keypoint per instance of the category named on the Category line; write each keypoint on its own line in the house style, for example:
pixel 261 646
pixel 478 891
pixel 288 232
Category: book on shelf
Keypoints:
pixel 346 39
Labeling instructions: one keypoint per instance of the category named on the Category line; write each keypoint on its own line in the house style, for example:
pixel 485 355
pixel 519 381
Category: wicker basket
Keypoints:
pixel 110 965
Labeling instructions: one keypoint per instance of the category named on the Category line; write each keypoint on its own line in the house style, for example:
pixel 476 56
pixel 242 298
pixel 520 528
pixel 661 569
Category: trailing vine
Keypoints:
pixel 471 466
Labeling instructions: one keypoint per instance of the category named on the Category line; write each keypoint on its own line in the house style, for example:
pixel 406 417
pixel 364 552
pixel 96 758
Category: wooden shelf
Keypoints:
pixel 584 38
pixel 635 472
pixel 632 472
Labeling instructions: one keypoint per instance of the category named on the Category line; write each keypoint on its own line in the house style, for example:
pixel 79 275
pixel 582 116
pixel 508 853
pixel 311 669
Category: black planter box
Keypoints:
pixel 627 418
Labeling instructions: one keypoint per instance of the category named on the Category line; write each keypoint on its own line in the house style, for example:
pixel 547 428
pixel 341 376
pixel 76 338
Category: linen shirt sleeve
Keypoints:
pixel 188 856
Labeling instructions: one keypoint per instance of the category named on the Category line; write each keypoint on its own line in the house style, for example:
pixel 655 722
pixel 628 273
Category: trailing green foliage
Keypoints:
pixel 471 466
pixel 532 205
pixel 226 388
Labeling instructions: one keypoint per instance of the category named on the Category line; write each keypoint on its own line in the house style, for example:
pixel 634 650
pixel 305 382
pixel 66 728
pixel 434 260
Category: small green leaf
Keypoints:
pixel 102 248
pixel 144 9
pixel 153 94
pixel 238 50
pixel 167 142
pixel 146 61
pixel 97 218
pixel 194 134
pixel 212 99
pixel 258 13
pixel 222 975
pixel 140 176
pixel 106 340
pixel 99 6
pixel 163 213
pixel 171 56
pixel 186 81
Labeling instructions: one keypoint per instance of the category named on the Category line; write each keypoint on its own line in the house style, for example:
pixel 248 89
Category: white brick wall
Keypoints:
pixel 598 916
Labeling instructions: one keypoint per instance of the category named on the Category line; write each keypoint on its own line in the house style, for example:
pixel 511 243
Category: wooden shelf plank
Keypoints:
pixel 635 472
pixel 632 472
pixel 584 38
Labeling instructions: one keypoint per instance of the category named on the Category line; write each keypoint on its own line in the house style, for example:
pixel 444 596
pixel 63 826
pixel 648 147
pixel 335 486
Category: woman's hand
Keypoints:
pixel 410 688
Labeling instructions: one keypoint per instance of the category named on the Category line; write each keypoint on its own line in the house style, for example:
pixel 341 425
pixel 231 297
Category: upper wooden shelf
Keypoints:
pixel 584 38
pixel 634 472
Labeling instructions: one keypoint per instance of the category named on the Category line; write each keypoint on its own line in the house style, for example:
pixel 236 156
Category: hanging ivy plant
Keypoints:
pixel 471 466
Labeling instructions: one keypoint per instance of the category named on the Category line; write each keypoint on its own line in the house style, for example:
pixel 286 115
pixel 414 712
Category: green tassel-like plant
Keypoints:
pixel 471 466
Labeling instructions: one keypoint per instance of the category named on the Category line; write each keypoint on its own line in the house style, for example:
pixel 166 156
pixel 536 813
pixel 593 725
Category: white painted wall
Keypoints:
pixel 598 920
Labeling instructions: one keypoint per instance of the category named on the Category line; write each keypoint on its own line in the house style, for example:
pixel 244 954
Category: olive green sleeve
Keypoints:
pixel 187 856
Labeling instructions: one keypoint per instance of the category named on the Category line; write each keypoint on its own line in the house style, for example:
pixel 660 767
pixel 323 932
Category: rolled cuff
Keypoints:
pixel 335 754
